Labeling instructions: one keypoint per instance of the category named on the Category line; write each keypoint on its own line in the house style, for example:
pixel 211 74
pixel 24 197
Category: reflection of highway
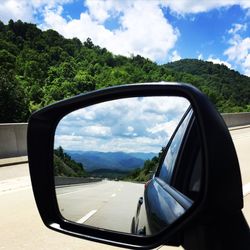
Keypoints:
pixel 106 204
pixel 22 228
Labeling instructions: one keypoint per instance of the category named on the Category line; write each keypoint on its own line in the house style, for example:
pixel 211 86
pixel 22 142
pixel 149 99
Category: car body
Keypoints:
pixel 150 216
pixel 195 197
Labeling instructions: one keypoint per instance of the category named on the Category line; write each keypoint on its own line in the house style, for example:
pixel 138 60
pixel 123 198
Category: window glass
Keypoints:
pixel 172 153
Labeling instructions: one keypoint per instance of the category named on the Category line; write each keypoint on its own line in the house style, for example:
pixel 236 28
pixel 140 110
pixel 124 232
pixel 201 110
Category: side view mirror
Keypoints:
pixel 137 166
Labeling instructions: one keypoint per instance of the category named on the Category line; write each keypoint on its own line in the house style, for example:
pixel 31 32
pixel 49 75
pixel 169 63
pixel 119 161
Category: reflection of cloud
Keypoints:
pixel 130 129
pixel 168 126
pixel 67 141
pixel 130 125
pixel 96 131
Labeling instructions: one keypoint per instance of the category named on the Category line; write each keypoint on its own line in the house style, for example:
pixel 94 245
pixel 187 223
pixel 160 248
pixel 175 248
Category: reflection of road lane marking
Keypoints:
pixel 87 216
pixel 76 191
pixel 113 195
pixel 67 193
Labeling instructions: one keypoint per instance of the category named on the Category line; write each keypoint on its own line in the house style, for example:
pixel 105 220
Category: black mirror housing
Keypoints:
pixel 221 191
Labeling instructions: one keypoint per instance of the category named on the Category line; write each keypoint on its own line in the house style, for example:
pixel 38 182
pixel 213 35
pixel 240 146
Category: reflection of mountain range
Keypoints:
pixel 93 160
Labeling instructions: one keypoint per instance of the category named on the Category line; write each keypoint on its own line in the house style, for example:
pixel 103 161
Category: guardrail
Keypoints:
pixel 64 181
pixel 13 140
pixel 13 135
pixel 236 119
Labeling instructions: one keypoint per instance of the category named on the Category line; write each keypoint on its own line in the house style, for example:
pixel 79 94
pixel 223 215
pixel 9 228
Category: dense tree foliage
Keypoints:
pixel 145 174
pixel 41 67
pixel 64 165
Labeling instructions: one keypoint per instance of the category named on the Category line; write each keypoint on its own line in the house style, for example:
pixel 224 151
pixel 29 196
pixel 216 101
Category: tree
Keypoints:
pixel 64 165
pixel 45 67
pixel 88 43
pixel 7 60
pixel 13 102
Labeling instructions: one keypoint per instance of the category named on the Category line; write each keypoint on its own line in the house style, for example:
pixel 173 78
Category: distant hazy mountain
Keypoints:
pixel 93 160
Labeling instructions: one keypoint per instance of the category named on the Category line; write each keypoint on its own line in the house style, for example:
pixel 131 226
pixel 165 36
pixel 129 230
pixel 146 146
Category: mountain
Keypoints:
pixel 39 67
pixel 143 156
pixel 227 88
pixel 106 161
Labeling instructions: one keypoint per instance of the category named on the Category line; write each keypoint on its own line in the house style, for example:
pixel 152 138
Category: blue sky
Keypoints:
pixel 161 30
pixel 142 124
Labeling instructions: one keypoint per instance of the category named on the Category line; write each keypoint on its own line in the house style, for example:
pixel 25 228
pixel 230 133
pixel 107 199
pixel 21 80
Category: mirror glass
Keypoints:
pixel 106 158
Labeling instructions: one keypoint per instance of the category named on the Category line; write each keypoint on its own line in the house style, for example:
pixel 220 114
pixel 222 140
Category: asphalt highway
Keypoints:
pixel 105 204
pixel 22 228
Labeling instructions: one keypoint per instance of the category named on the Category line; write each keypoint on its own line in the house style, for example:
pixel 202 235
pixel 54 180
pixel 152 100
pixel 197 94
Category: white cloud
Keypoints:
pixel 68 141
pixel 96 131
pixel 248 13
pixel 238 52
pixel 183 7
pixel 237 27
pixel 150 36
pixel 11 9
pixel 175 56
pixel 130 129
pixel 129 125
pixel 200 56
pixel 166 126
pixel 218 61
pixel 100 11
pixel 26 10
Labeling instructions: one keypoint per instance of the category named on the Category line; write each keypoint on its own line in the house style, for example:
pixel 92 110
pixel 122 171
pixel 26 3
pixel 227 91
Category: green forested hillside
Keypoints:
pixel 145 173
pixel 40 67
pixel 65 166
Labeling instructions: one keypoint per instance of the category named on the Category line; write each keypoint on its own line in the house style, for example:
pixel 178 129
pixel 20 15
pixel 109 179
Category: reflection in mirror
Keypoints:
pixel 105 161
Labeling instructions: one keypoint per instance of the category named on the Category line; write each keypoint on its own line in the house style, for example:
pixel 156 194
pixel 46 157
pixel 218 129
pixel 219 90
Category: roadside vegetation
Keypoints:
pixel 145 173
pixel 64 165
pixel 39 67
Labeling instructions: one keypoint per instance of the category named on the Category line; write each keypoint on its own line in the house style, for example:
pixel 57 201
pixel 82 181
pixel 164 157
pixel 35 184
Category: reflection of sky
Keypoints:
pixel 167 203
pixel 128 125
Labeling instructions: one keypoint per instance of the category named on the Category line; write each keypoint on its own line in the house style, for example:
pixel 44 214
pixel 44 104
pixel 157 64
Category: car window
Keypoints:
pixel 195 180
pixel 168 163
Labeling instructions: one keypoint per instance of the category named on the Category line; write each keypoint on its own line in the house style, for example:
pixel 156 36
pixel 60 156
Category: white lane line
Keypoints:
pixel 72 192
pixel 14 185
pixel 14 191
pixel 113 195
pixel 246 189
pixel 87 216
pixel 67 193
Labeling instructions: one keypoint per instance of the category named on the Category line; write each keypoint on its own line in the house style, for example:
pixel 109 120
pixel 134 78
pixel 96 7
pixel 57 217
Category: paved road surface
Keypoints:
pixel 106 204
pixel 21 226
pixel 241 139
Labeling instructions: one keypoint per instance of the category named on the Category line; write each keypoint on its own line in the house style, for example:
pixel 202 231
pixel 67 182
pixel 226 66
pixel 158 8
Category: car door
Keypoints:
pixel 165 199
pixel 196 192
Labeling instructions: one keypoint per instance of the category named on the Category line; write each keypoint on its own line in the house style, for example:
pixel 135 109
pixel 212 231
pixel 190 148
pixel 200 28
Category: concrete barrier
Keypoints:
pixel 13 140
pixel 237 119
pixel 64 181
pixel 13 135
